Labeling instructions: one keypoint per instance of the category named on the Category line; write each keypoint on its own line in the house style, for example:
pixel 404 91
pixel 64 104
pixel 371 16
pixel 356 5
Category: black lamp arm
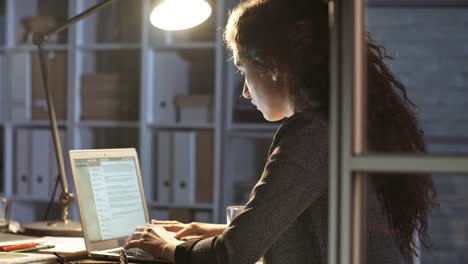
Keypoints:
pixel 66 198
pixel 40 38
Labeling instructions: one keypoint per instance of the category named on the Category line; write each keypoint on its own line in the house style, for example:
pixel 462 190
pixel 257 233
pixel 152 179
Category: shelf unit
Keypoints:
pixel 239 138
pixel 88 50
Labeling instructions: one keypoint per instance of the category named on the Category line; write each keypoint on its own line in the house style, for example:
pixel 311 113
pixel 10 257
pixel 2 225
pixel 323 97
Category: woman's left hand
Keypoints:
pixel 155 240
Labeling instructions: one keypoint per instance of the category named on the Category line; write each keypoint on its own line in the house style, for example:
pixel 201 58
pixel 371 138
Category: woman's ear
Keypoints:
pixel 275 74
pixel 274 77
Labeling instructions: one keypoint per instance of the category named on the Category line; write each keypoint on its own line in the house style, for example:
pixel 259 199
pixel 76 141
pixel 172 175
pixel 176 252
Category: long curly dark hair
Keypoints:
pixel 292 37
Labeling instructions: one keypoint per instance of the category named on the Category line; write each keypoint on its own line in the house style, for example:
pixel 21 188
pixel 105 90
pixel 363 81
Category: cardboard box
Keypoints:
pixel 194 108
pixel 101 97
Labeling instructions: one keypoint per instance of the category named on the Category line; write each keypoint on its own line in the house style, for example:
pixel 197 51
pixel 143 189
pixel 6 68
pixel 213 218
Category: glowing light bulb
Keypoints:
pixel 180 14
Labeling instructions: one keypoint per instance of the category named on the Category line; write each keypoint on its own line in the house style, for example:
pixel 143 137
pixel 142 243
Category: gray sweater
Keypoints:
pixel 286 217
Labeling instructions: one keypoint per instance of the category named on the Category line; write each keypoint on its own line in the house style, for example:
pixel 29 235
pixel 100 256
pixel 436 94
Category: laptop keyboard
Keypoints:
pixel 133 252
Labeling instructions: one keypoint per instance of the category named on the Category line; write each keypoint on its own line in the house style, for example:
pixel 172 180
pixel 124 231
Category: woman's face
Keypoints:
pixel 267 91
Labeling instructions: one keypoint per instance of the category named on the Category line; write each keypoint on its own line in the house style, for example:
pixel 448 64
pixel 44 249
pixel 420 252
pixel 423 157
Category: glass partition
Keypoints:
pixel 426 50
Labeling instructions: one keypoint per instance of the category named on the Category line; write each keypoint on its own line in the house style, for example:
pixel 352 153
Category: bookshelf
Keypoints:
pixel 151 68
pixel 100 45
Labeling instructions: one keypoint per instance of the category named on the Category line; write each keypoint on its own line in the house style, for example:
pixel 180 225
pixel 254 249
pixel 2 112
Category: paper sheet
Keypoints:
pixel 18 258
pixel 65 245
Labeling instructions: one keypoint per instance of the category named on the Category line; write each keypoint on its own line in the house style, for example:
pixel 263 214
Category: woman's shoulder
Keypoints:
pixel 300 124
pixel 303 136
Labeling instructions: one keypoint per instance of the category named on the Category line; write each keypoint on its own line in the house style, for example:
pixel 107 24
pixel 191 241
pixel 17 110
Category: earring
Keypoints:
pixel 275 77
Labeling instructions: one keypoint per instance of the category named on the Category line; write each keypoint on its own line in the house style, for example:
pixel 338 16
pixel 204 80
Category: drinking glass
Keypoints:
pixel 233 211
pixel 4 214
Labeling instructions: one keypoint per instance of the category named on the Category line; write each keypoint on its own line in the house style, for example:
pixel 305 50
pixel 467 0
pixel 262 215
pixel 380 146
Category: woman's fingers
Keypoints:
pixel 186 238
pixel 135 235
pixel 134 243
pixel 160 222
pixel 140 232
pixel 172 228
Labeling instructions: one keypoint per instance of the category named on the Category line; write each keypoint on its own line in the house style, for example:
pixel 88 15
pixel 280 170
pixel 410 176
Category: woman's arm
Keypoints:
pixel 295 176
pixel 195 230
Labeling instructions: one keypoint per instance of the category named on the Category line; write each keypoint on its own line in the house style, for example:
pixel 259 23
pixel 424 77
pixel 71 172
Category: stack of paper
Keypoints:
pixel 66 246
pixel 19 258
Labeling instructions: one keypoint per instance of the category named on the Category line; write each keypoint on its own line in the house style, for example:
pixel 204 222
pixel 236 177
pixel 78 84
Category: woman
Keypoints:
pixel 282 47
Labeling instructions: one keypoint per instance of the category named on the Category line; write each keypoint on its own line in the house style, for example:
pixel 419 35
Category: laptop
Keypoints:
pixel 111 200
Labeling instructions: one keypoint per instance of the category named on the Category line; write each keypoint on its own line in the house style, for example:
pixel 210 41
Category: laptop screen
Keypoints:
pixel 111 196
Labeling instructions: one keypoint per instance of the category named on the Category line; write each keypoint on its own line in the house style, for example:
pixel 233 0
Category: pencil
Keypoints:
pixel 33 249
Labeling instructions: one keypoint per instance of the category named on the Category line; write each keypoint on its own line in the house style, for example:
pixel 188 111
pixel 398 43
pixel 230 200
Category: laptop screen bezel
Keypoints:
pixel 99 154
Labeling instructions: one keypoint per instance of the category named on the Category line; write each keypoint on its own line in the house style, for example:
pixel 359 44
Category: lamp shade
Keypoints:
pixel 180 14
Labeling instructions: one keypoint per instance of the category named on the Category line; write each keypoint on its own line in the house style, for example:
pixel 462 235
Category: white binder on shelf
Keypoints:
pixel 184 167
pixel 22 162
pixel 40 146
pixel 20 86
pixel 164 167
pixel 171 79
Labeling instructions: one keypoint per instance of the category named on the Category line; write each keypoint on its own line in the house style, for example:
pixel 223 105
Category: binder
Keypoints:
pixel 191 165
pixel 164 167
pixel 171 79
pixel 20 83
pixel 184 167
pixel 22 162
pixel 40 146
pixel 204 167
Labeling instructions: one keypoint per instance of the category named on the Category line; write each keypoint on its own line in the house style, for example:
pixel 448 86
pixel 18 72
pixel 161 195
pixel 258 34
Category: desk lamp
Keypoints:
pixel 168 15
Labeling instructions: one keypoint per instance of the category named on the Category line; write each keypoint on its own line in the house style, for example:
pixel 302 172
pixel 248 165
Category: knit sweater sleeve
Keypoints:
pixel 293 178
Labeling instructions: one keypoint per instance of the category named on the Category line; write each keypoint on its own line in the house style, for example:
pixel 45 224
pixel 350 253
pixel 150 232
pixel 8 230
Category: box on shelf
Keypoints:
pixel 194 108
pixel 104 97
pixel 57 77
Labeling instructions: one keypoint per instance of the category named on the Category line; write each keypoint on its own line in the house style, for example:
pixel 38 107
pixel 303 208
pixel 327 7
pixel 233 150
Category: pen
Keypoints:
pixel 18 246
pixel 33 249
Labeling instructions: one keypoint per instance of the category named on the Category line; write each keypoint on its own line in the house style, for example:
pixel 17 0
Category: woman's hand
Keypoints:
pixel 155 240
pixel 192 230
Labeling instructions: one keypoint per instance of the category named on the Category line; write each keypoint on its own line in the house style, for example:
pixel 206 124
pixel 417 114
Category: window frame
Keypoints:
pixel 348 162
